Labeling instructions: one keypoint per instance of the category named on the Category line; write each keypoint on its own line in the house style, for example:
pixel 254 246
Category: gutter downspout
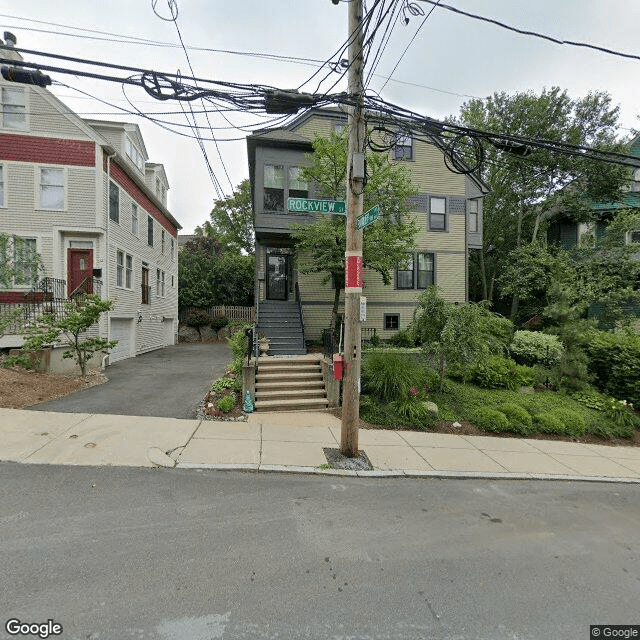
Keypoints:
pixel 107 280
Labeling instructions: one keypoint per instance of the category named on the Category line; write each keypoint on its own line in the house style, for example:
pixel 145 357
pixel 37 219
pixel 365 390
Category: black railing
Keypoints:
pixel 46 297
pixel 249 334
pixel 299 303
pixel 331 341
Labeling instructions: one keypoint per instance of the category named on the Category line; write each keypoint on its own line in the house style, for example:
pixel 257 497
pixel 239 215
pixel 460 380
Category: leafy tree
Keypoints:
pixel 78 316
pixel 527 190
pixel 231 221
pixel 209 277
pixel 321 244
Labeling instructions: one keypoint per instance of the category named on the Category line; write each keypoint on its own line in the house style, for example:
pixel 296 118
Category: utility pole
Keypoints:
pixel 353 254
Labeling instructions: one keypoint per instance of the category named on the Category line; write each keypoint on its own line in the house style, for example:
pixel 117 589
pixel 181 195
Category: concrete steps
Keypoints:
pixel 289 384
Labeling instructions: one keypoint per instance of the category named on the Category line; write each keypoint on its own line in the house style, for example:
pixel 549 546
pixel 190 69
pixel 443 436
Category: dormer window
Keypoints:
pixel 134 153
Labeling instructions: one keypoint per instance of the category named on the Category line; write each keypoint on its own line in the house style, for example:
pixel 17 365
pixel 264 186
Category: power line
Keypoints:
pixel 533 34
pixel 410 43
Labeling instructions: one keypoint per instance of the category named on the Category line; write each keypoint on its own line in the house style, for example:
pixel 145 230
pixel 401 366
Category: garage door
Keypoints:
pixel 121 331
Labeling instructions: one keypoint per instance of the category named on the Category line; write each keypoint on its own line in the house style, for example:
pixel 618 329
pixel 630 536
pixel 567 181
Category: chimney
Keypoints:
pixel 9 43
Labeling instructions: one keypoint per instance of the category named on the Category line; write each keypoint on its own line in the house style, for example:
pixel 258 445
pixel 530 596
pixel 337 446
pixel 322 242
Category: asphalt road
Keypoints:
pixel 202 555
pixel 166 383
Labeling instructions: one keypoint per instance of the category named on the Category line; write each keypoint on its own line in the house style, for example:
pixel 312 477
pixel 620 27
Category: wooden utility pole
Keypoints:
pixel 353 254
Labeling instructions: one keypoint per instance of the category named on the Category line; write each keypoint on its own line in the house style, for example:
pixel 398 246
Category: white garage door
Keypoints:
pixel 121 331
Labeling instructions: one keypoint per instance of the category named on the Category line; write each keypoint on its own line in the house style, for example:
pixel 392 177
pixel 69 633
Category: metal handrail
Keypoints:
pixel 299 303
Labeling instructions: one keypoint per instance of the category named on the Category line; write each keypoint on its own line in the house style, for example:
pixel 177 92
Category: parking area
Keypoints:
pixel 167 383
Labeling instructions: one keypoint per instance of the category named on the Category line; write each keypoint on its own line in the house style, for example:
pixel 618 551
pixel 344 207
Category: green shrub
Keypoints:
pixel 607 429
pixel 219 322
pixel 490 419
pixel 615 362
pixel 533 347
pixel 402 338
pixel 412 409
pixel 226 403
pixel 375 340
pixel 548 423
pixel 521 376
pixel 389 376
pixel 519 418
pixel 237 325
pixel 236 366
pixel 197 318
pixel 573 423
pixel 221 384
pixel 238 345
pixel 497 330
pixel 493 372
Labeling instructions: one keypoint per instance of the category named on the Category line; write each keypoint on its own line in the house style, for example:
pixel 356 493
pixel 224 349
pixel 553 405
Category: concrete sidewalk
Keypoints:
pixel 294 442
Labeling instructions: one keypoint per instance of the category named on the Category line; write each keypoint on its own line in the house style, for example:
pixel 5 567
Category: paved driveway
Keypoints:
pixel 167 383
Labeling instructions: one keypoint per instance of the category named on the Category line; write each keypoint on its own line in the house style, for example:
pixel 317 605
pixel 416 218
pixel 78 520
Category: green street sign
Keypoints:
pixel 316 206
pixel 371 216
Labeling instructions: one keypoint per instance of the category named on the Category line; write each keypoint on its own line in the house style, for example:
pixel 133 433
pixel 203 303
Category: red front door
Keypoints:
pixel 79 270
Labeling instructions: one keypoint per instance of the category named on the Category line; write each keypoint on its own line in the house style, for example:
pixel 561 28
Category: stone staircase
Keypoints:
pixel 280 321
pixel 290 384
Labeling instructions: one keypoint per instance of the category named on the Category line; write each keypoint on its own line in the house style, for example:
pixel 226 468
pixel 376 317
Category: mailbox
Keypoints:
pixel 338 366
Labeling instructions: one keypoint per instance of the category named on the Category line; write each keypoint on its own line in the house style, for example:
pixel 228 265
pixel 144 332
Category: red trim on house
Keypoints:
pixel 119 175
pixel 47 150
pixel 13 297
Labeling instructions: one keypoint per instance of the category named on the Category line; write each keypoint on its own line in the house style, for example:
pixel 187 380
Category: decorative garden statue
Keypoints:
pixel 248 405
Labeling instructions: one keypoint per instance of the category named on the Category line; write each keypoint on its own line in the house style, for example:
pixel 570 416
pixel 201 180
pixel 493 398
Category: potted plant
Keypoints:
pixel 263 341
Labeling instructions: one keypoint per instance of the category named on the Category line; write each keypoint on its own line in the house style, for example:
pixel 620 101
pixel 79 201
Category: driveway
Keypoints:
pixel 166 383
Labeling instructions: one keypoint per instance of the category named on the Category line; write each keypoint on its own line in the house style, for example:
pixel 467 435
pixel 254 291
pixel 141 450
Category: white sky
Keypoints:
pixel 451 53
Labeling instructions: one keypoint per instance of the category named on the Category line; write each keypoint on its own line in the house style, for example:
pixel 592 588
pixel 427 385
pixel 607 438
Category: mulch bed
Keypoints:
pixel 469 429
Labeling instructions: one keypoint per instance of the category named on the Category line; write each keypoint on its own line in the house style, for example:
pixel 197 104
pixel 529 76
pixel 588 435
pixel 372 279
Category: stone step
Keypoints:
pixel 288 376
pixel 291 405
pixel 298 384
pixel 285 369
pixel 290 394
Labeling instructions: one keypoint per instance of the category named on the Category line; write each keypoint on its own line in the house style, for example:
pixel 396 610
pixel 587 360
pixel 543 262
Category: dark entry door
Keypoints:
pixel 79 270
pixel 277 277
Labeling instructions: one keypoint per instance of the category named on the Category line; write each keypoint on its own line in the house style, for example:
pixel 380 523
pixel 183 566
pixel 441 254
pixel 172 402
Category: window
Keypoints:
pixel 21 256
pixel 150 231
pixel 425 270
pixel 2 203
pixel 423 273
pixel 162 241
pixel 473 216
pixel 173 248
pixel 273 187
pixel 280 183
pixel 51 188
pixel 14 108
pixel 134 154
pixel 146 289
pixel 172 285
pixel 120 268
pixel 128 274
pixel 160 275
pixel 437 214
pixel 134 218
pixel 405 273
pixel 403 148
pixel 114 202
pixel 391 321
pixel 298 188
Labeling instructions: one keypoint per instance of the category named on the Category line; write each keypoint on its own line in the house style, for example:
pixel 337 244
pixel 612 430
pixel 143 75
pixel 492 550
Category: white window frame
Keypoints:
pixel 25 95
pixel 120 268
pixel 160 283
pixel 162 240
pixel 38 187
pixel 135 220
pixel 153 231
pixel 173 248
pixel 11 247
pixel 117 186
pixel 438 213
pixel 403 147
pixel 128 271
pixel 474 216
pixel 133 153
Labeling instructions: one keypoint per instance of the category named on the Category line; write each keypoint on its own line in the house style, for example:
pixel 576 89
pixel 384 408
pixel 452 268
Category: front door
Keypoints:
pixel 79 270
pixel 277 277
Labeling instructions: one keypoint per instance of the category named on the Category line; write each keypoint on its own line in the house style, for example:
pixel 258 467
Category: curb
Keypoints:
pixel 402 473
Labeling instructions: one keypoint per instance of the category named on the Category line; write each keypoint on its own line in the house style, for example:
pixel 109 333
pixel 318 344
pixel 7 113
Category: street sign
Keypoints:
pixel 316 206
pixel 363 309
pixel 371 216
